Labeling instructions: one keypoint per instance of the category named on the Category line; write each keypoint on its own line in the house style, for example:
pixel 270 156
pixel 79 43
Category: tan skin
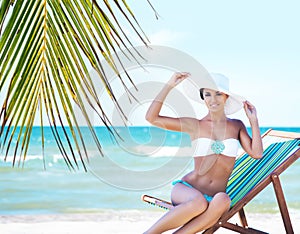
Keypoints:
pixel 192 212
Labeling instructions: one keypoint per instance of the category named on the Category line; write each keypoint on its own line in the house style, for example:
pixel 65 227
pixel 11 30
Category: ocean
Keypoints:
pixel 145 161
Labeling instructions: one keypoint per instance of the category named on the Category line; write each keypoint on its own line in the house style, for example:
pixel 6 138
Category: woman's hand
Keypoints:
pixel 177 78
pixel 250 111
pixel 253 146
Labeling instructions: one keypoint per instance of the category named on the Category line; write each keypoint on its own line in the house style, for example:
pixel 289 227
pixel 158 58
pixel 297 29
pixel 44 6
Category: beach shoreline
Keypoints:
pixel 121 222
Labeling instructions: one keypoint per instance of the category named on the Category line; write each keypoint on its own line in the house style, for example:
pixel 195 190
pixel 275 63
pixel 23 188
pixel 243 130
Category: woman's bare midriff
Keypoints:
pixel 215 179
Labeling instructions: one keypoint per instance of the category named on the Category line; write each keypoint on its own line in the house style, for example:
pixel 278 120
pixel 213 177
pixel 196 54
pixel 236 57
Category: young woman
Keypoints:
pixel 200 197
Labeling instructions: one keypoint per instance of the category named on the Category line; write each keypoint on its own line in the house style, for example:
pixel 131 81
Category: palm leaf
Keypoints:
pixel 44 47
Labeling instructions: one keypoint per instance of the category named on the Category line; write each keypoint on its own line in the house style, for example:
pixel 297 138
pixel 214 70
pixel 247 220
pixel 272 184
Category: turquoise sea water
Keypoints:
pixel 146 161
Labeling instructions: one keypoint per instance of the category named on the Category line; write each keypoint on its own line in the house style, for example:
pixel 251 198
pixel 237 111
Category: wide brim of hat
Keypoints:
pixel 192 86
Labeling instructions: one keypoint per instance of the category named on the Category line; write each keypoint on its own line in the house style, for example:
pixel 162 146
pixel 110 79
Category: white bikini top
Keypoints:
pixel 206 146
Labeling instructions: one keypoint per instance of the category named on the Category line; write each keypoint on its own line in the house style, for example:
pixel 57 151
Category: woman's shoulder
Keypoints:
pixel 236 123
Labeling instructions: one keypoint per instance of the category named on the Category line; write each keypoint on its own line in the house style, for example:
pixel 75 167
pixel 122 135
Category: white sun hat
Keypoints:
pixel 215 81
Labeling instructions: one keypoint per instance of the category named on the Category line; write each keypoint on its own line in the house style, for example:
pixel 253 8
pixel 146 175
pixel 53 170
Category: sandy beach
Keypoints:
pixel 119 222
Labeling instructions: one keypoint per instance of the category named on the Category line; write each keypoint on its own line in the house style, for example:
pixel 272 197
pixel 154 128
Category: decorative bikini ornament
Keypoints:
pixel 217 147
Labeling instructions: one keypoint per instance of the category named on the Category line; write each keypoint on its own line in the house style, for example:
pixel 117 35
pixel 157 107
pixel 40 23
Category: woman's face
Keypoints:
pixel 215 100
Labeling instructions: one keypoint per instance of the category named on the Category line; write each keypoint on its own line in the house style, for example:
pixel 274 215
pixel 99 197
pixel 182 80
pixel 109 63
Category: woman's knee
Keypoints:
pixel 198 204
pixel 223 200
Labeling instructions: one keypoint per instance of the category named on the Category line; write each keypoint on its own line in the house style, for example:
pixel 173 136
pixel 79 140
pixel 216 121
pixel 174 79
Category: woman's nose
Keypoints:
pixel 213 98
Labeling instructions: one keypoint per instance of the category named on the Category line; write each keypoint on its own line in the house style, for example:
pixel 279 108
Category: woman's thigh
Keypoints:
pixel 182 194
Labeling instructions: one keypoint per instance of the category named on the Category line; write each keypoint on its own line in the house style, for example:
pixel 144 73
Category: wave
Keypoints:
pixel 54 158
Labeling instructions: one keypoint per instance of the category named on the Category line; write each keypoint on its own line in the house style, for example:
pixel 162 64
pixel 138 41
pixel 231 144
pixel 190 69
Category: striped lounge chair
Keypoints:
pixel 250 176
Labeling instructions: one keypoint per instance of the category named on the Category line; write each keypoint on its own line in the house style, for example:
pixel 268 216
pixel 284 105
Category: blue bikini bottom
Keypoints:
pixel 207 197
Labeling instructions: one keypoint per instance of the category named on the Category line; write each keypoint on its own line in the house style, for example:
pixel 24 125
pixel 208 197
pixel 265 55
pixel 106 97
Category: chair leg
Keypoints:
pixel 282 204
pixel 243 218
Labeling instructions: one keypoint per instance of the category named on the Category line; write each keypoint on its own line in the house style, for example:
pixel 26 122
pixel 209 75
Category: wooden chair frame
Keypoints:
pixel 272 178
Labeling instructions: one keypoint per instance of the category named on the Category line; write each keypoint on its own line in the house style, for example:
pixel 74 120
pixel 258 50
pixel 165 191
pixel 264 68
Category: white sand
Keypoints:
pixel 119 222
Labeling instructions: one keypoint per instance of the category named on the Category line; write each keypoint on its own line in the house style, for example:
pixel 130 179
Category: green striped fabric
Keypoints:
pixel 248 172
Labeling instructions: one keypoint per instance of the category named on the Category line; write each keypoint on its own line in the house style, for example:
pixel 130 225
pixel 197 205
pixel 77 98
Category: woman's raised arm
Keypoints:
pixel 153 114
pixel 252 146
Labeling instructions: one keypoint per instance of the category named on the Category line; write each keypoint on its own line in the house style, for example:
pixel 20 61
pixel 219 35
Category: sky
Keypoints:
pixel 254 43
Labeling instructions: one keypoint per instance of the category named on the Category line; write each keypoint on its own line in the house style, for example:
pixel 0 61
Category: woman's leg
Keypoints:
pixel 190 202
pixel 218 205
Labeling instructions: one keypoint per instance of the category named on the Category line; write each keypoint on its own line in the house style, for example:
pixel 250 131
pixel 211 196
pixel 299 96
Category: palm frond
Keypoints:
pixel 46 49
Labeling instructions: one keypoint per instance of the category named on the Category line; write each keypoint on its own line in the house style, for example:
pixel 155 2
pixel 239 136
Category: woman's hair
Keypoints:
pixel 201 93
pixel 202 96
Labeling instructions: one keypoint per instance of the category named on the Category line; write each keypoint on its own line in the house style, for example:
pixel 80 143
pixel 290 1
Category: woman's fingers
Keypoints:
pixel 249 109
pixel 178 77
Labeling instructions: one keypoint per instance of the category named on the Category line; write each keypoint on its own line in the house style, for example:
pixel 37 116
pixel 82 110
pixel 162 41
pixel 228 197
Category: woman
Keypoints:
pixel 200 197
